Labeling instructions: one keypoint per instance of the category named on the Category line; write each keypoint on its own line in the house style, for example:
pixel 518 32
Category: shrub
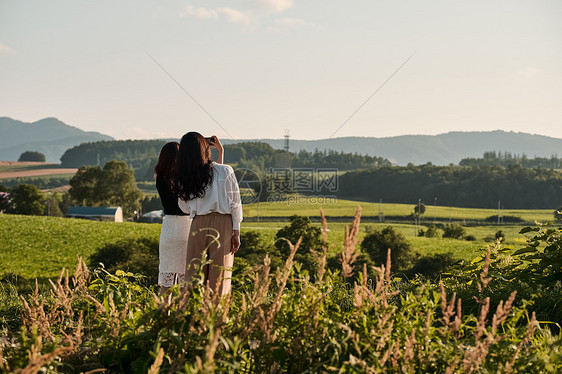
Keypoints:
pixel 377 242
pixel 32 156
pixel 453 231
pixel 253 249
pixel 500 236
pixel 300 226
pixel 507 219
pixel 470 238
pixel 434 265
pixel 432 232
pixel 132 255
pixel 558 214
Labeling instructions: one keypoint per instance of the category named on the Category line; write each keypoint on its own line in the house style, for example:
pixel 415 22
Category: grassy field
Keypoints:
pixel 347 208
pixel 40 246
pixel 461 249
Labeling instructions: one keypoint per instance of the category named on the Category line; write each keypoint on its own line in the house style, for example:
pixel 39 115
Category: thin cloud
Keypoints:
pixel 236 16
pixel 257 9
pixel 200 13
pixel 229 14
pixel 5 50
pixel 273 6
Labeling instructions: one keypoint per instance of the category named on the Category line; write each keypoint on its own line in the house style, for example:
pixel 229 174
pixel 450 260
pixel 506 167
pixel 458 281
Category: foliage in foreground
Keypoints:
pixel 276 321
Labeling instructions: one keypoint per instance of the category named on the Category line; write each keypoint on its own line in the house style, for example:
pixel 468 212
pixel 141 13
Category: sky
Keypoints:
pixel 257 68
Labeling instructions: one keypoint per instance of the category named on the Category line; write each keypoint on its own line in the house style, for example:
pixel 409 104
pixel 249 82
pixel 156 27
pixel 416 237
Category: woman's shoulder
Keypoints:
pixel 222 167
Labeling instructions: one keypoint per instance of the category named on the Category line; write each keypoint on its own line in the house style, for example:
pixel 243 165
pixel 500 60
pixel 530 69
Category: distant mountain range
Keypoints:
pixel 48 136
pixel 53 137
pixel 440 149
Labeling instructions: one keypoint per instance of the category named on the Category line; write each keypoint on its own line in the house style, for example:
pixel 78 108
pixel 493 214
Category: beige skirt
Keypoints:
pixel 212 232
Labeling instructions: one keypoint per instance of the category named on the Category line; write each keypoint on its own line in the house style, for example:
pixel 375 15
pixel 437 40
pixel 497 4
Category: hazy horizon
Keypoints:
pixel 299 139
pixel 259 67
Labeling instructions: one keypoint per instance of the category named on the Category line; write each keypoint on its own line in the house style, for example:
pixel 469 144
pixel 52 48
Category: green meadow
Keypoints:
pixel 341 208
pixel 40 246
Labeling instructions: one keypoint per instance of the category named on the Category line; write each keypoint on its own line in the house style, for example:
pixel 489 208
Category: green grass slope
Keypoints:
pixel 338 208
pixel 40 246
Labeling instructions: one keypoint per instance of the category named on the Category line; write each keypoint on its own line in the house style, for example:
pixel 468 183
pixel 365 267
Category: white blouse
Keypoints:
pixel 221 196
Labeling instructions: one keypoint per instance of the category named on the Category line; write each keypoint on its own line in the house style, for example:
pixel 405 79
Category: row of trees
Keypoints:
pixel 142 155
pixel 472 187
pixel 112 185
pixel 28 199
pixel 507 158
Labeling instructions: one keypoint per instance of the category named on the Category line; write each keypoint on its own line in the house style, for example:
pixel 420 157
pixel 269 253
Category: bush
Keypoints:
pixel 132 255
pixel 470 238
pixel 506 219
pixel 431 232
pixel 253 249
pixel 32 156
pixel 558 214
pixel 500 236
pixel 377 242
pixel 453 231
pixel 432 266
pixel 300 226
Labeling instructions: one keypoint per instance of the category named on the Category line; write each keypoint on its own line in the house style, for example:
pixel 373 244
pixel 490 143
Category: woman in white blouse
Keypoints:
pixel 209 193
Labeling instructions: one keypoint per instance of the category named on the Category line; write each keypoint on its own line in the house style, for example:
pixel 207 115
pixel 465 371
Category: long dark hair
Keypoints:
pixel 166 165
pixel 194 166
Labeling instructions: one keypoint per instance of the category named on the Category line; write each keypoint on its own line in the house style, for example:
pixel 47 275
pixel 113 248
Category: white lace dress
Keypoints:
pixel 173 250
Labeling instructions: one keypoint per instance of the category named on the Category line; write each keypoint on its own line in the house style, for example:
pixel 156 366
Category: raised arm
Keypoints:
pixel 217 144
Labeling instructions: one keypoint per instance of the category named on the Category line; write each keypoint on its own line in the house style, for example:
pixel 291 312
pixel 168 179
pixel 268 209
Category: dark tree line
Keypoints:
pixel 141 156
pixel 494 158
pixel 475 187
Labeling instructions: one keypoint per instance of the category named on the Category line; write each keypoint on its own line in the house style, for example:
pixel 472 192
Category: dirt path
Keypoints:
pixel 35 173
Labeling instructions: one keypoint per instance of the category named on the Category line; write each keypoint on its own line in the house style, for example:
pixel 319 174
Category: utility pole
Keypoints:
pixel 435 215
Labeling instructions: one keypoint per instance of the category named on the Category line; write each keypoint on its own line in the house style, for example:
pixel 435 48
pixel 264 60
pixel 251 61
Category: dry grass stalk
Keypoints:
pixel 155 367
pixel 481 325
pixel 523 343
pixel 409 350
pixel 69 344
pixel 257 298
pixel 382 288
pixel 502 312
pixel 349 252
pixel 282 277
pixel 3 362
pixel 448 310
pixel 474 356
pixel 451 368
pixel 483 276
